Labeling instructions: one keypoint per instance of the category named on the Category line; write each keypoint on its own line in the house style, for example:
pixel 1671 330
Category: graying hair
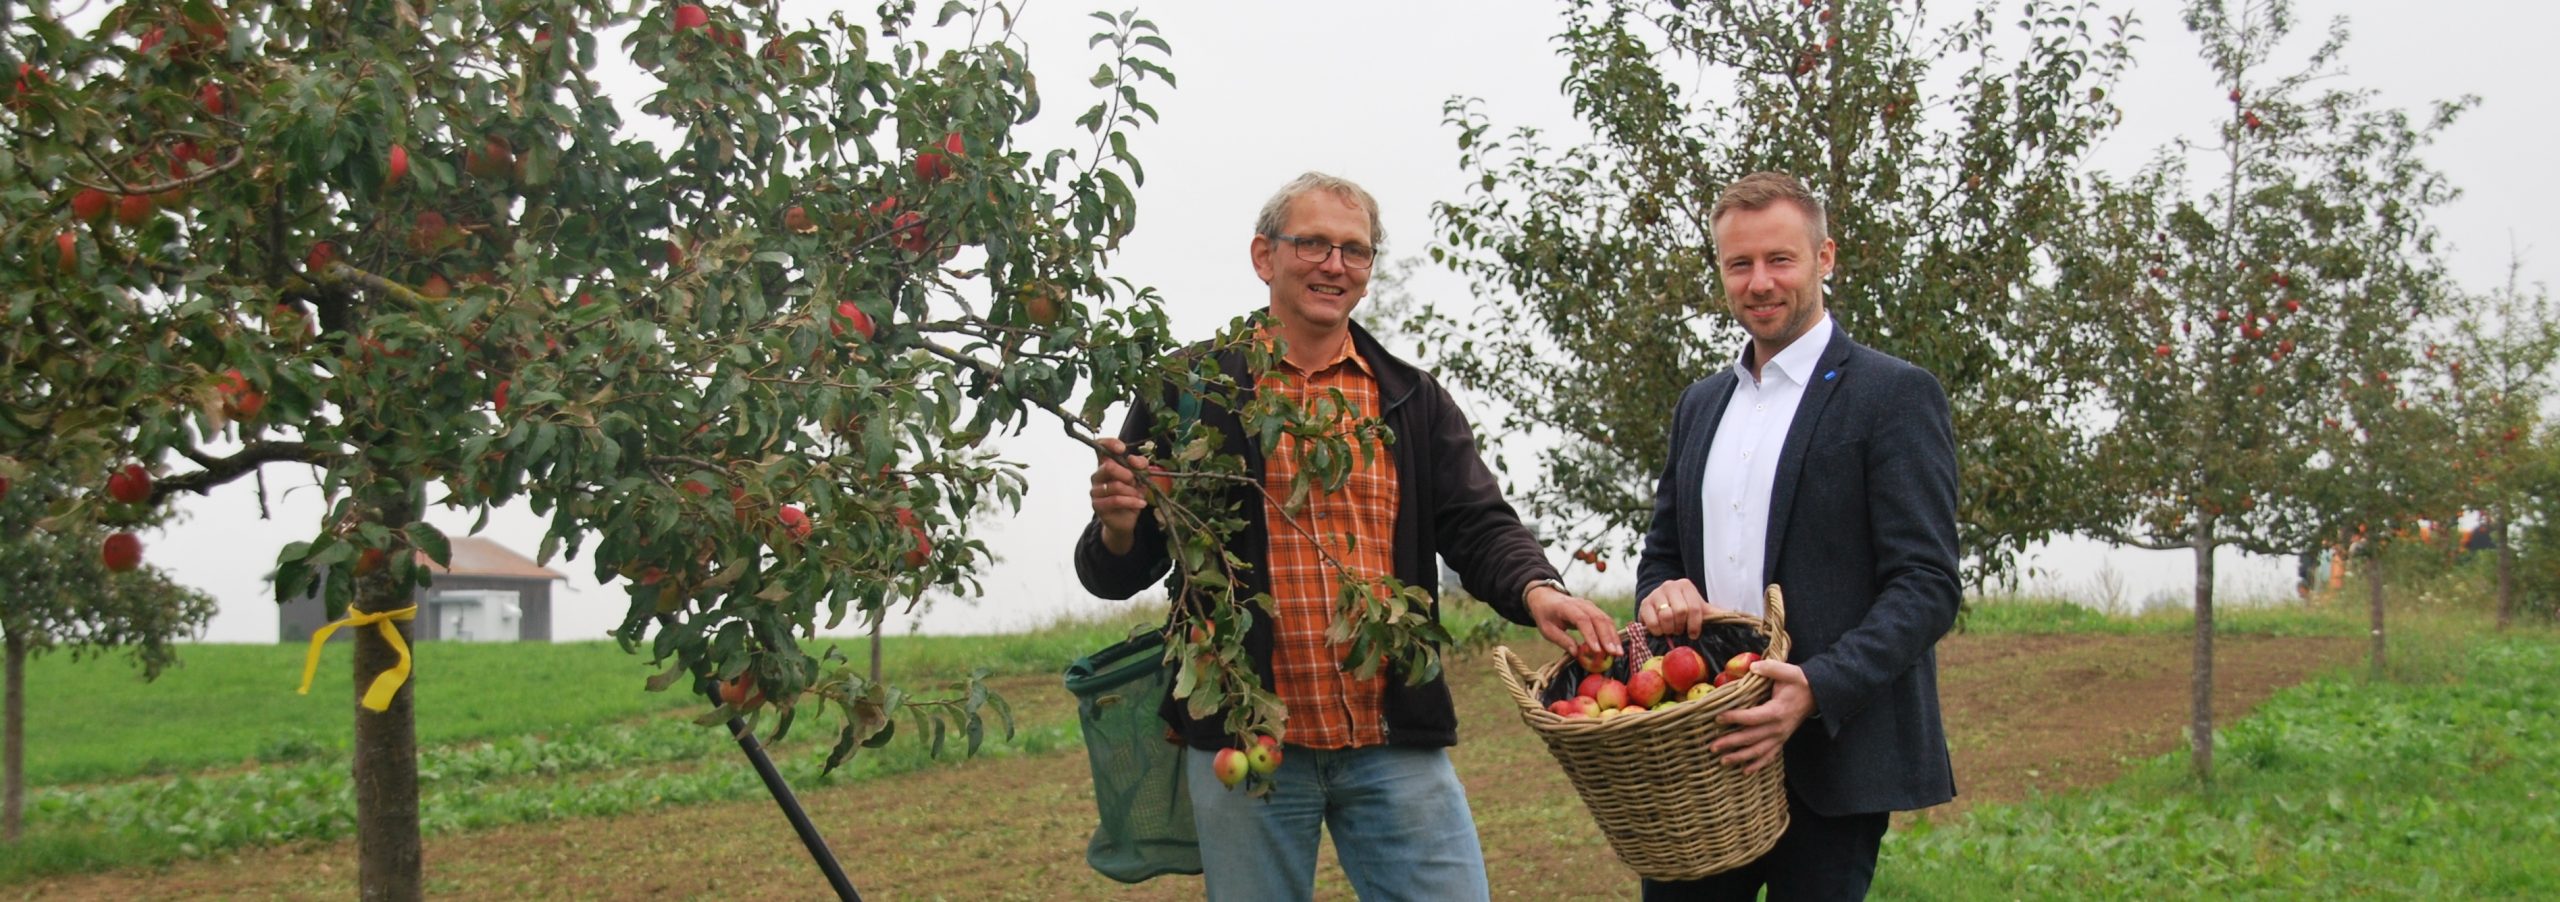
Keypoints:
pixel 1275 212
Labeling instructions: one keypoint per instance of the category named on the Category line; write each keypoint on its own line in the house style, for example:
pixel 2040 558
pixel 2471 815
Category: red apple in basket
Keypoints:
pixel 1699 691
pixel 1595 661
pixel 1612 694
pixel 1740 665
pixel 1569 707
pixel 1646 688
pixel 1590 687
pixel 1590 707
pixel 1684 667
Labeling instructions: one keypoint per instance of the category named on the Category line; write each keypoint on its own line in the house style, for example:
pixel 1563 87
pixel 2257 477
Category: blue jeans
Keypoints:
pixel 1398 816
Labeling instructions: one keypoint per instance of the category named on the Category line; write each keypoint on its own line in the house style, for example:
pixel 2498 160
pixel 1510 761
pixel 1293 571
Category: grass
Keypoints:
pixel 2432 782
pixel 234 706
pixel 2018 615
pixel 548 731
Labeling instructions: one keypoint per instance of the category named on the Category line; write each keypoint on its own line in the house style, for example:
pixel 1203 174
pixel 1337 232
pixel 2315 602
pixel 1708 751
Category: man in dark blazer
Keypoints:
pixel 1829 469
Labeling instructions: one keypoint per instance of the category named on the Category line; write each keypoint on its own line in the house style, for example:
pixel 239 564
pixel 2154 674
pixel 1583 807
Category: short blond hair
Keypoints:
pixel 1755 192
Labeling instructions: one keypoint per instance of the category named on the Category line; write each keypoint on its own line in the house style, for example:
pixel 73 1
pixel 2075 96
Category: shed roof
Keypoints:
pixel 477 556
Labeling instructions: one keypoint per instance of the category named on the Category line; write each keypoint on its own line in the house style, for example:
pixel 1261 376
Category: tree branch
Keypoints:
pixel 220 470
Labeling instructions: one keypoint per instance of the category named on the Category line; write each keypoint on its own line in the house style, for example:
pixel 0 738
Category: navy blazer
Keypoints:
pixel 1862 542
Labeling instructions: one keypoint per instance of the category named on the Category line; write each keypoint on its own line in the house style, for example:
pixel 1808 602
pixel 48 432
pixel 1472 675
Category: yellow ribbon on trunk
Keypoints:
pixel 386 684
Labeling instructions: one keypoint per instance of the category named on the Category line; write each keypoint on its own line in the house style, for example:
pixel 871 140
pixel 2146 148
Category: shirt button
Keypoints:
pixel 1759 407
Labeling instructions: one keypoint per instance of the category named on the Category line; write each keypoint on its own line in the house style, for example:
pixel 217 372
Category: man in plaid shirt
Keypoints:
pixel 1365 758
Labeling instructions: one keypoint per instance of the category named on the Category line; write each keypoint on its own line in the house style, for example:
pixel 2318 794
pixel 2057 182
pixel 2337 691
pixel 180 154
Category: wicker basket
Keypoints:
pixel 1670 810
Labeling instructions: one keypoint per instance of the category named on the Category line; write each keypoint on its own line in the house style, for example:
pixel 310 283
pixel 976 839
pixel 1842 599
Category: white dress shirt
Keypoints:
pixel 1742 466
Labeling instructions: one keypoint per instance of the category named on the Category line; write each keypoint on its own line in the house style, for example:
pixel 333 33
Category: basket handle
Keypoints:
pixel 1774 616
pixel 1516 677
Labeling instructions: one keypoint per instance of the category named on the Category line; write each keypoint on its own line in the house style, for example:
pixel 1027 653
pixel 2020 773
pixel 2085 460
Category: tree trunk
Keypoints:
pixel 875 647
pixel 388 854
pixel 2373 591
pixel 2506 576
pixel 2201 729
pixel 13 760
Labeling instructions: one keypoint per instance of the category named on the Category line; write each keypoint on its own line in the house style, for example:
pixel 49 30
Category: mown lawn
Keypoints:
pixel 234 705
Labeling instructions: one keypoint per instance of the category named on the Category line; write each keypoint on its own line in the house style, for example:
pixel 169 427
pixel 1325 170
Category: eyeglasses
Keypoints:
pixel 1314 250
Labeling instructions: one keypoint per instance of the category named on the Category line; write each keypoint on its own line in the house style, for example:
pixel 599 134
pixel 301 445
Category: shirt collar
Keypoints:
pixel 1796 362
pixel 1350 351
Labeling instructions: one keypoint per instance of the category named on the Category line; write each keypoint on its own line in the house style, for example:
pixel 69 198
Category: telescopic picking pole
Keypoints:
pixel 781 791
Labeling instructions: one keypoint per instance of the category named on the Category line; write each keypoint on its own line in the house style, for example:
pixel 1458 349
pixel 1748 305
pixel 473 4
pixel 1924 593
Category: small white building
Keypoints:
pixel 491 594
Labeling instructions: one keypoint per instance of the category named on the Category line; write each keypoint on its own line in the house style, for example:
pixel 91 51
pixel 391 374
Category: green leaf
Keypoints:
pixel 431 542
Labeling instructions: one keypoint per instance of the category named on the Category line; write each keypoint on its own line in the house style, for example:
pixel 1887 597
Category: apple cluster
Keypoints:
pixel 1662 681
pixel 1259 760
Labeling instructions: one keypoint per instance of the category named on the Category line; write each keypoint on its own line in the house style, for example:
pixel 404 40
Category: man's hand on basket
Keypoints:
pixel 1760 731
pixel 1674 609
pixel 1556 612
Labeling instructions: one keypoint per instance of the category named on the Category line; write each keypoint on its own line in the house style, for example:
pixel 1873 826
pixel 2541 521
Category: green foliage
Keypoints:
pixel 1948 162
pixel 56 593
pixel 2432 785
pixel 2257 324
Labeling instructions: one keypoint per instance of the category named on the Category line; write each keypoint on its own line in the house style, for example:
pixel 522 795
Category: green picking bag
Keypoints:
pixel 1138 787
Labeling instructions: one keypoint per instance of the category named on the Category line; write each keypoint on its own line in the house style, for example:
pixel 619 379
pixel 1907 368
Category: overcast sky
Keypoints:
pixel 1356 89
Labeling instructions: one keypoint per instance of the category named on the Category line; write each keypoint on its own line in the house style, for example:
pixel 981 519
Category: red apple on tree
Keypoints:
pixel 91 204
pixel 848 313
pixel 741 692
pixel 131 485
pixel 795 521
pixel 240 400
pixel 933 166
pixel 399 167
pixel 907 232
pixel 134 211
pixel 121 552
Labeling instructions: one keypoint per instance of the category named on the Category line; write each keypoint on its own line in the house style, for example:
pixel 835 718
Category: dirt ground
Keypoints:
pixel 2025 715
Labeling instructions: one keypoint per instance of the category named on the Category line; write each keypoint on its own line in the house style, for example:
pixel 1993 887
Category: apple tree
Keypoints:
pixel 732 300
pixel 2498 368
pixel 422 252
pixel 79 591
pixel 1948 163
pixel 2256 293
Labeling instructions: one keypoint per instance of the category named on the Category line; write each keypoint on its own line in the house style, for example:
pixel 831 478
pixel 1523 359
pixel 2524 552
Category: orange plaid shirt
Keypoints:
pixel 1328 708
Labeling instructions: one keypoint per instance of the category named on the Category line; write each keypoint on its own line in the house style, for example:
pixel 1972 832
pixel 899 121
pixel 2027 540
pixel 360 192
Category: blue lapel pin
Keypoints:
pixel 1829 375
